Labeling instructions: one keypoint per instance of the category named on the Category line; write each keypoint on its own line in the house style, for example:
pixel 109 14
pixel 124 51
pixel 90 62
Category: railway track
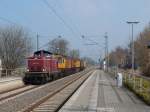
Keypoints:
pixel 55 92
pixel 6 91
pixel 55 100
pixel 14 92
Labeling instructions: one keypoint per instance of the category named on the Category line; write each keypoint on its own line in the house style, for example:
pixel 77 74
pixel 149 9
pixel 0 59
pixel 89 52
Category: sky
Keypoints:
pixel 91 18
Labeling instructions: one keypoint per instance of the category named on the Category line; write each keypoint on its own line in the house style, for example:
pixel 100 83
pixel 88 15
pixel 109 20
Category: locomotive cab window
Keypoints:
pixel 60 60
pixel 37 54
pixel 42 53
pixel 47 55
pixel 63 60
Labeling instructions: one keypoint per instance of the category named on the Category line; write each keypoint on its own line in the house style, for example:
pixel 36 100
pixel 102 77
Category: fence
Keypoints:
pixel 140 85
pixel 12 72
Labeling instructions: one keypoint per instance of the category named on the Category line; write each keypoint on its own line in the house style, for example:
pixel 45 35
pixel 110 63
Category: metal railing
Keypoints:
pixel 137 83
pixel 19 72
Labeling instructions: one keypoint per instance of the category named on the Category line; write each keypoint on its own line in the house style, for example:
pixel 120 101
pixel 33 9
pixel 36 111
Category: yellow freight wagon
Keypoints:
pixel 68 63
pixel 76 64
pixel 83 64
pixel 61 61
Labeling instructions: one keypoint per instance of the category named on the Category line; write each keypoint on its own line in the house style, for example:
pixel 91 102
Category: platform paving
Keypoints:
pixel 99 93
pixel 7 84
pixel 9 79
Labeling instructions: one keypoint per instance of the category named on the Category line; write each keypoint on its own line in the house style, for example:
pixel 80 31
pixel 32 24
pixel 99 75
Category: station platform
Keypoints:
pixel 10 83
pixel 9 79
pixel 99 93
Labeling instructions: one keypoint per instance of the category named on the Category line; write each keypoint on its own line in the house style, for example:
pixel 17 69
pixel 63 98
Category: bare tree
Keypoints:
pixel 142 52
pixel 118 57
pixel 89 61
pixel 14 46
pixel 59 46
pixel 74 53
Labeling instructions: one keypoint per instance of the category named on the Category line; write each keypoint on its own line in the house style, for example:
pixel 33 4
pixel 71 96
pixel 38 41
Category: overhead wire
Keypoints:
pixel 11 22
pixel 74 25
pixel 58 16
pixel 65 23
pixel 8 21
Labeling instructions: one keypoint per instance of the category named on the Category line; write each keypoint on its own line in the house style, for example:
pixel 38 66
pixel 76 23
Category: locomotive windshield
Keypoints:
pixel 42 53
pixel 60 60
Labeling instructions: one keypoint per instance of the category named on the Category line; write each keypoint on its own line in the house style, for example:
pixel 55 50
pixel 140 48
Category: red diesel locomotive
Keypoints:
pixel 45 66
pixel 41 67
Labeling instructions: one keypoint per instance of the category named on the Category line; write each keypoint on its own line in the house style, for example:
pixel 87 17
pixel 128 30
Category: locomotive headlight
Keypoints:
pixel 27 70
pixel 44 70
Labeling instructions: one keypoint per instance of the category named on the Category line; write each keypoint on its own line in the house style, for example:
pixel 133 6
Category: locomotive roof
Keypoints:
pixel 47 52
pixel 44 51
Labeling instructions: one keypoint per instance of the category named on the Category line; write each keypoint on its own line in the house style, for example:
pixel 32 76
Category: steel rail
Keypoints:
pixel 57 91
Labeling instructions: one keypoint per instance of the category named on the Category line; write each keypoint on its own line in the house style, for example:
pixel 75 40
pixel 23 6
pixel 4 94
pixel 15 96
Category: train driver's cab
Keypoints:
pixel 42 53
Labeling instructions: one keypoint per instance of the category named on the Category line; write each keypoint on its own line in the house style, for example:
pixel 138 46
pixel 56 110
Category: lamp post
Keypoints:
pixel 132 43
pixel 106 51
pixel 37 42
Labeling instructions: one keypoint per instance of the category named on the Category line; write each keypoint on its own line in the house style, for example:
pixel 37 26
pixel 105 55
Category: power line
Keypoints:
pixel 57 15
pixel 13 23
pixel 44 45
pixel 93 42
pixel 75 27
pixel 8 21
pixel 58 37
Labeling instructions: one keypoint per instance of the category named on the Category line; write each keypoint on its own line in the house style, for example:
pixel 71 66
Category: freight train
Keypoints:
pixel 45 66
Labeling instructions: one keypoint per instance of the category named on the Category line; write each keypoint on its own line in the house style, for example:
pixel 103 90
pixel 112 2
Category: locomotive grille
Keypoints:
pixel 36 68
